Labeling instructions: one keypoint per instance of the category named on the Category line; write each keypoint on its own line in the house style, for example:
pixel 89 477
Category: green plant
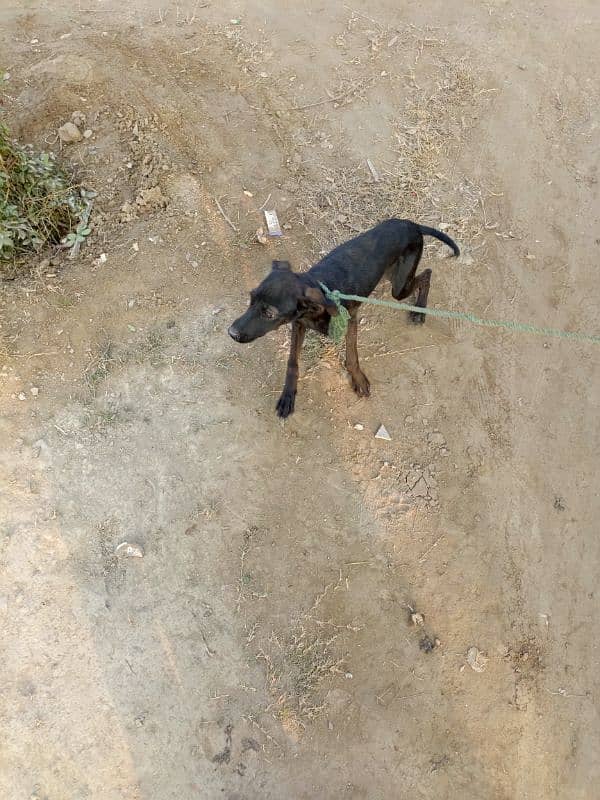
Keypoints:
pixel 39 205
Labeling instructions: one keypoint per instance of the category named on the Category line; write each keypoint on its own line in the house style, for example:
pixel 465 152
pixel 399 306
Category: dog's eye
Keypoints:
pixel 269 312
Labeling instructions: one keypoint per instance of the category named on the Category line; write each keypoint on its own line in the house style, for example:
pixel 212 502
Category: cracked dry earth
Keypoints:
pixel 316 613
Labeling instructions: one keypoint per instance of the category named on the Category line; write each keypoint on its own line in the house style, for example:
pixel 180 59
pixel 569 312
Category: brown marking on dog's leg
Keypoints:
pixel 360 382
pixel 421 283
pixel 286 402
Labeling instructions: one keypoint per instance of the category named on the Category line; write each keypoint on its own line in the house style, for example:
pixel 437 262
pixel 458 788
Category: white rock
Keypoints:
pixel 359 427
pixel 383 434
pixel 129 549
pixel 476 660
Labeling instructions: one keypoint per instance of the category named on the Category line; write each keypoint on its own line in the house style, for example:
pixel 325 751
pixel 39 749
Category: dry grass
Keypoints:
pixel 420 183
pixel 298 662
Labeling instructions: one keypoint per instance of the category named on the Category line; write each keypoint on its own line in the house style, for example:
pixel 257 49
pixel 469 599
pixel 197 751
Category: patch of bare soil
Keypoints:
pixel 306 611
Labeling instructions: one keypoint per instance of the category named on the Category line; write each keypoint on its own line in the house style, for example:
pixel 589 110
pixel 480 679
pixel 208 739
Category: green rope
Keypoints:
pixel 338 328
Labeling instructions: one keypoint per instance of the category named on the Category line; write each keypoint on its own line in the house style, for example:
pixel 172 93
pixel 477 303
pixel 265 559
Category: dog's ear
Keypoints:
pixel 283 266
pixel 314 300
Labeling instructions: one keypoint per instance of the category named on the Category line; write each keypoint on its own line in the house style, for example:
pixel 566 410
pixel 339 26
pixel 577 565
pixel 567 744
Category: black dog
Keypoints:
pixel 393 248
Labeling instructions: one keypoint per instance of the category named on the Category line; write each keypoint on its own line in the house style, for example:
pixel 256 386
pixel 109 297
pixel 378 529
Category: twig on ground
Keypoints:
pixel 431 547
pixel 225 217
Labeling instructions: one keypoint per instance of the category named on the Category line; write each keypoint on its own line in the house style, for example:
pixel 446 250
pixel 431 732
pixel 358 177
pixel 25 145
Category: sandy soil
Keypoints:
pixel 299 624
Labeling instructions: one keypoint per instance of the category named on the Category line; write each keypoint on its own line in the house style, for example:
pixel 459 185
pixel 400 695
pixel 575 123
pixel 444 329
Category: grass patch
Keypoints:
pixel 100 366
pixel 39 205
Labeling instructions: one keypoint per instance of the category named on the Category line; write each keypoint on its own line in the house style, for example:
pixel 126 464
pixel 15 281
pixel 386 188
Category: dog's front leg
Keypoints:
pixel 285 404
pixel 360 382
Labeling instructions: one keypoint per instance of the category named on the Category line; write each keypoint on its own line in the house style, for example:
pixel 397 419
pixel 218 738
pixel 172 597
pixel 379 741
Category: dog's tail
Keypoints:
pixel 426 231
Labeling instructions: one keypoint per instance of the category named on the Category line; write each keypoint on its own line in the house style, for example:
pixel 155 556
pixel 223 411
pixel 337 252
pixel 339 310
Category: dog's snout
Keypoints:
pixel 234 333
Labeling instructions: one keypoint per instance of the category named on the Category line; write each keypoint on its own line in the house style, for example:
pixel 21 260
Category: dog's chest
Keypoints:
pixel 319 323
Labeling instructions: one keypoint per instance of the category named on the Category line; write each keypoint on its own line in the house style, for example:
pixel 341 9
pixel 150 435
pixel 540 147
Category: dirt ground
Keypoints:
pixel 300 622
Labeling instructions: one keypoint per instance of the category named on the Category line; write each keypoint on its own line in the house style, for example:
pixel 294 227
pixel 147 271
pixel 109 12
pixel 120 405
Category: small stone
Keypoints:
pixel 88 133
pixel 34 391
pixel 69 133
pixel 436 438
pixel 247 193
pixel 261 237
pixel 78 118
pixel 359 427
pixel 22 396
pixel 476 660
pixel 383 434
pixel 427 644
pixel 129 549
pixel 409 420
pixel 135 246
pixel 417 619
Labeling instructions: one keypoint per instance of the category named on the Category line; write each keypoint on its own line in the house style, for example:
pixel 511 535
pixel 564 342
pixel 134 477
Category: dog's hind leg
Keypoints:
pixel 403 274
pixel 421 285
pixel 360 382
pixel 404 282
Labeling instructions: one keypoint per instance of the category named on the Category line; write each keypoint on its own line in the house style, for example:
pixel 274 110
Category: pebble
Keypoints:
pixel 22 396
pixel 78 118
pixel 417 619
pixel 69 133
pixel 383 434
pixel 436 438
pixel 476 660
pixel 359 427
pixel 88 133
pixel 129 549
pixel 34 391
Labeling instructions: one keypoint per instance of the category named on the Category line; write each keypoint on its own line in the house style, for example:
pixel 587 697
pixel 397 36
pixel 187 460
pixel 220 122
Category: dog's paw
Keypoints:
pixel 416 318
pixel 360 384
pixel 285 404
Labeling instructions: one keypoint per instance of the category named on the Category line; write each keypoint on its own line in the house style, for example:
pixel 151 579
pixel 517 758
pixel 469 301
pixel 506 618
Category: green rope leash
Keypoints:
pixel 339 324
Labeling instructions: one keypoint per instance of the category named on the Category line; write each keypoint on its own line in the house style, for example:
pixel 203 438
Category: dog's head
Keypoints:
pixel 281 298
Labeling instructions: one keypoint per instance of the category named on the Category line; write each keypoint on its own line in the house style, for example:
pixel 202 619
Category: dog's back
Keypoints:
pixel 357 266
